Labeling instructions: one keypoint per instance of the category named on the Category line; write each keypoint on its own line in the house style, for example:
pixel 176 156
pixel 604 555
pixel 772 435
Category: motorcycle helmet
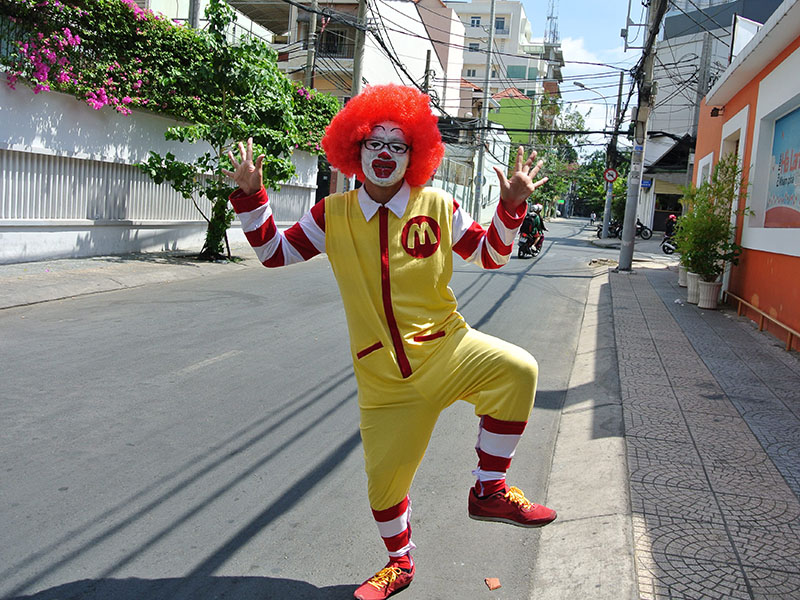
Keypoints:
pixel 672 218
pixel 537 208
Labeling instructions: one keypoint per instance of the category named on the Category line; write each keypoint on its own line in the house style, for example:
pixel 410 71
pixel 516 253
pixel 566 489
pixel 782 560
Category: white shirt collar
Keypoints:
pixel 397 204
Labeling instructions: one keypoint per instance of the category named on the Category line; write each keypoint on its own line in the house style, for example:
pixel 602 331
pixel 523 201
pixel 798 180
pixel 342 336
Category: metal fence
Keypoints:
pixel 46 187
pixel 56 188
pixel 456 177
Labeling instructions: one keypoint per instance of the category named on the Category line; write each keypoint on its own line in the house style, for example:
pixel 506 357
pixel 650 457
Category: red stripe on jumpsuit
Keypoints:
pixel 397 339
pixel 394 527
pixel 497 441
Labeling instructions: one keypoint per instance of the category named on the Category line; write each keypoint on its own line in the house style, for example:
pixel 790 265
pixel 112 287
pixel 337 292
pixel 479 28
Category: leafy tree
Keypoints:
pixel 558 149
pixel 590 189
pixel 250 97
pixel 705 234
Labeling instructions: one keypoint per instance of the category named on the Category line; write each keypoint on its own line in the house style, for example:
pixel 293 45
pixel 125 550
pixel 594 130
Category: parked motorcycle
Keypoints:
pixel 643 230
pixel 529 244
pixel 614 229
pixel 668 244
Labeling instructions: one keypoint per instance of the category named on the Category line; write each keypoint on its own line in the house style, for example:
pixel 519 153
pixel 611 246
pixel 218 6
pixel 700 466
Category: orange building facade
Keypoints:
pixel 753 110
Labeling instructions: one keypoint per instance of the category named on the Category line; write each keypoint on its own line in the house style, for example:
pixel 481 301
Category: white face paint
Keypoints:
pixel 385 166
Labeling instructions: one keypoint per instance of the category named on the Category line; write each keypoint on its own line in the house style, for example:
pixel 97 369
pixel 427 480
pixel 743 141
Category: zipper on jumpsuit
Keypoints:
pixel 397 339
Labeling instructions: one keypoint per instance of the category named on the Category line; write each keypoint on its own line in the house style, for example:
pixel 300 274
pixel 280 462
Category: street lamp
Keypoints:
pixel 603 98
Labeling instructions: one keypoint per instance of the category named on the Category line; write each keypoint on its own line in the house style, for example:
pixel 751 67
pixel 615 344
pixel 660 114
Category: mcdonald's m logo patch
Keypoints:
pixel 421 236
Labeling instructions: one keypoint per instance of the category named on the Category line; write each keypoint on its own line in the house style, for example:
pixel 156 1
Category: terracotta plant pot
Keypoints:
pixel 692 288
pixel 708 294
pixel 682 275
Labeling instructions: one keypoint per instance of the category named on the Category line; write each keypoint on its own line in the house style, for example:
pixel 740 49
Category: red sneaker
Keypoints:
pixel 510 506
pixel 384 583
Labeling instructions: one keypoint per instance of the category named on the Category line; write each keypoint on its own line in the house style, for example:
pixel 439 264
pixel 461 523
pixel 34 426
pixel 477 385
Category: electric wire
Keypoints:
pixel 701 26
pixel 709 17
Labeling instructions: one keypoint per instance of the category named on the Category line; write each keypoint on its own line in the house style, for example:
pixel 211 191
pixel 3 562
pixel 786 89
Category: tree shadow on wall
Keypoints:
pixel 191 588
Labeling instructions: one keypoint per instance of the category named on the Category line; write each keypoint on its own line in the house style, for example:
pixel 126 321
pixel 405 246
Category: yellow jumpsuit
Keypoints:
pixel 413 353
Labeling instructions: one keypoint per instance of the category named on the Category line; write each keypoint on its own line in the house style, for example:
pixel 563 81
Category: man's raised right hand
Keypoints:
pixel 247 174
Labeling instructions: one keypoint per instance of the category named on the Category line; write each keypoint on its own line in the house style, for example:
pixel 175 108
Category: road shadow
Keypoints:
pixel 220 460
pixel 191 588
pixel 174 257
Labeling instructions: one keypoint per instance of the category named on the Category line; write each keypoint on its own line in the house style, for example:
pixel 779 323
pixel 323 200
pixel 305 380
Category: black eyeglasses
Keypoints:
pixel 376 145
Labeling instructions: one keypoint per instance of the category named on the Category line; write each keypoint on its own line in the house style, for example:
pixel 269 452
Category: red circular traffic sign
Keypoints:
pixel 610 175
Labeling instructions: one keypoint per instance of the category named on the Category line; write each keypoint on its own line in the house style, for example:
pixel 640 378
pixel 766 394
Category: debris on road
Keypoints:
pixel 493 583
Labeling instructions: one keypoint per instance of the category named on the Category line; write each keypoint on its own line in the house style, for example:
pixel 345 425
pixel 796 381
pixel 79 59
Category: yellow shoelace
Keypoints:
pixel 384 577
pixel 516 496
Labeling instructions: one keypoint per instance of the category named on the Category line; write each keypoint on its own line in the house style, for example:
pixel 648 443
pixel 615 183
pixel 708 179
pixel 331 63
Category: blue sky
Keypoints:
pixel 590 32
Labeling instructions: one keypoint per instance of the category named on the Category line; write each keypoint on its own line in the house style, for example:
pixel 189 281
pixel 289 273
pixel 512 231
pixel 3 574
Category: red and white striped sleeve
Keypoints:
pixel 487 248
pixel 274 247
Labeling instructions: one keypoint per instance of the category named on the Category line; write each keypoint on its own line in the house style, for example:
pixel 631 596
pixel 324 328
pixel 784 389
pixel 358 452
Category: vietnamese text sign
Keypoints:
pixel 783 194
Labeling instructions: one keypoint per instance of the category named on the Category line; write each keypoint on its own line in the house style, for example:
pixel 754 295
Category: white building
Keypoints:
pixel 517 61
pixel 180 10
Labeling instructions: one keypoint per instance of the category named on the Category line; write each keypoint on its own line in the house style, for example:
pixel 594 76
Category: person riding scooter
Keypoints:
pixel 526 239
pixel 538 227
pixel 668 245
pixel 669 226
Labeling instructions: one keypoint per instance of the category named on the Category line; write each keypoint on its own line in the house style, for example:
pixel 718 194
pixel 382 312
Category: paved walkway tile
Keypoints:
pixel 712 430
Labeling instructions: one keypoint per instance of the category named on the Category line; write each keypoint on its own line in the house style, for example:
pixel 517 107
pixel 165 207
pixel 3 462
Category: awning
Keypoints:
pixel 272 14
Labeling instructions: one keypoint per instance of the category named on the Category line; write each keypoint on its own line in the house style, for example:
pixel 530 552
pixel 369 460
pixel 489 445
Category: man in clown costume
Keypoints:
pixel 391 245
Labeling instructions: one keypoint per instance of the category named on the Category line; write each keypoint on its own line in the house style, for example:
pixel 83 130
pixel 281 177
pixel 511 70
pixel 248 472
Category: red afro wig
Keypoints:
pixel 404 105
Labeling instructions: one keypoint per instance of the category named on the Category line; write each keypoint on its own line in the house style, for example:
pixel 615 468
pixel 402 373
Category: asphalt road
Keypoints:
pixel 199 439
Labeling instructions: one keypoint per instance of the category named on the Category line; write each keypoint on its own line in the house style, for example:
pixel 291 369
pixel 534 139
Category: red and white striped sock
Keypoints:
pixel 497 442
pixel 394 527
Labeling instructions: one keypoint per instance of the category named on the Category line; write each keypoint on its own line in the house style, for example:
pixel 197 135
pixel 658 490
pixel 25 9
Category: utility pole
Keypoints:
pixel 533 122
pixel 611 157
pixel 358 56
pixel 312 44
pixel 702 79
pixel 358 59
pixel 484 122
pixel 644 77
pixel 194 14
pixel 427 71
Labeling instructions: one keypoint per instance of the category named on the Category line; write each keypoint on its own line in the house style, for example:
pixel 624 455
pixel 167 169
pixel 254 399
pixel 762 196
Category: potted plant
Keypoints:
pixel 685 239
pixel 682 270
pixel 704 235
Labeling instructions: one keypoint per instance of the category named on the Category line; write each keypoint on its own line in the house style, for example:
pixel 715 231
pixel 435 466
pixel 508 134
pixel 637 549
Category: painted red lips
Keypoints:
pixel 383 168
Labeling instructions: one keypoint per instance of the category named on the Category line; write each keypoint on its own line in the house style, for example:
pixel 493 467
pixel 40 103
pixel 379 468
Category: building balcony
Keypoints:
pixel 339 52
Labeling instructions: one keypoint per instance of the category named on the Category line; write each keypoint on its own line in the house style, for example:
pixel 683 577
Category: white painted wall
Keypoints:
pixel 499 142
pixel 675 73
pixel 62 125
pixel 513 45
pixel 179 9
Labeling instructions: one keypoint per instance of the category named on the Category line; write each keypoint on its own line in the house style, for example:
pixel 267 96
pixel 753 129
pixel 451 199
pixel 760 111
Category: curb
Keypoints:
pixel 588 551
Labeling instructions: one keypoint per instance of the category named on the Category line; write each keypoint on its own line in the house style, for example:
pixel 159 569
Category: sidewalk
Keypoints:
pixel 676 470
pixel 33 282
pixel 711 411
